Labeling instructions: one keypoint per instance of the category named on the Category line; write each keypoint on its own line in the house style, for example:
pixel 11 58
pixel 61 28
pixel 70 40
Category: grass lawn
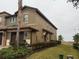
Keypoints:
pixel 53 52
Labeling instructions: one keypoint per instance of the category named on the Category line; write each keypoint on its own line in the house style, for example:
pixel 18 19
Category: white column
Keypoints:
pixel 27 37
pixel 8 39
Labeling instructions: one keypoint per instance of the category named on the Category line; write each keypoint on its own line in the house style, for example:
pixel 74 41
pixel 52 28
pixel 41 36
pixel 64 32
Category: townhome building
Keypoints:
pixel 34 27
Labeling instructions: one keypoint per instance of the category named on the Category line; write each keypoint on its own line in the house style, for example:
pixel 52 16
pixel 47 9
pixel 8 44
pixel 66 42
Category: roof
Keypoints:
pixel 4 12
pixel 11 16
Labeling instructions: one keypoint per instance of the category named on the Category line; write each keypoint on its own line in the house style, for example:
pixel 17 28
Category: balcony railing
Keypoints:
pixel 12 24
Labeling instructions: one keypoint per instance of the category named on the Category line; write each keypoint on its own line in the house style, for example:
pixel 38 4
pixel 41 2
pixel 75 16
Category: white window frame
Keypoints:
pixel 26 18
pixel 15 20
pixel 12 20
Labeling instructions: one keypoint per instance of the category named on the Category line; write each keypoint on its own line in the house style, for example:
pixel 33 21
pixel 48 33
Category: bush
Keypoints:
pixel 76 46
pixel 7 53
pixel 21 43
pixel 12 53
pixel 58 42
pixel 44 44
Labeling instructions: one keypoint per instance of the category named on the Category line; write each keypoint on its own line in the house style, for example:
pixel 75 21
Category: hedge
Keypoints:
pixel 44 44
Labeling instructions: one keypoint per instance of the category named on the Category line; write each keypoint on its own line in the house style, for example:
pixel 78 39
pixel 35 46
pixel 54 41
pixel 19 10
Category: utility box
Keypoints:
pixel 70 57
pixel 61 56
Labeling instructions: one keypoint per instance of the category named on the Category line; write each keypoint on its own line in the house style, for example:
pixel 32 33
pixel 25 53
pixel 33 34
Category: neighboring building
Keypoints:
pixel 34 27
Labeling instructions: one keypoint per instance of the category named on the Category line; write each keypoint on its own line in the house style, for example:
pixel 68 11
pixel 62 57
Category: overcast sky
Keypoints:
pixel 60 13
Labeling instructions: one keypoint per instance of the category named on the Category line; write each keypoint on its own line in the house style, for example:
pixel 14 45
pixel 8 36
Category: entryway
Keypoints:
pixel 1 38
pixel 13 37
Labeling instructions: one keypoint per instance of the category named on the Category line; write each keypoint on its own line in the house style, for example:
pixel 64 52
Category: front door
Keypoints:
pixel 13 37
pixel 21 36
pixel 0 38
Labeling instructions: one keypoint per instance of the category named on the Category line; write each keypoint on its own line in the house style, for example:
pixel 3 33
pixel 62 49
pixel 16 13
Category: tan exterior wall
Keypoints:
pixel 37 21
pixel 2 23
pixel 34 39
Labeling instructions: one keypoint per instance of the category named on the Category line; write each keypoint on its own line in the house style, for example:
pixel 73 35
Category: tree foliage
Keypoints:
pixel 74 2
pixel 76 38
pixel 60 37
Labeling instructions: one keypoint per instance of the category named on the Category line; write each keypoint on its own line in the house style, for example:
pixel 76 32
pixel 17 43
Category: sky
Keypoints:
pixel 62 14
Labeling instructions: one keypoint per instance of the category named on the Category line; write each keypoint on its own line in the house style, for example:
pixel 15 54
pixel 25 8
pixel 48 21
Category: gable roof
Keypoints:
pixel 41 14
pixel 4 12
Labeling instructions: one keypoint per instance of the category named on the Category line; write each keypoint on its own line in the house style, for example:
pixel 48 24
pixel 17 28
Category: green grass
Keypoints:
pixel 53 52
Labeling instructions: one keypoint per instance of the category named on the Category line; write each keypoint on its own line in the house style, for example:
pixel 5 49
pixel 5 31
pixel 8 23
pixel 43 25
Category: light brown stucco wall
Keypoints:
pixel 38 22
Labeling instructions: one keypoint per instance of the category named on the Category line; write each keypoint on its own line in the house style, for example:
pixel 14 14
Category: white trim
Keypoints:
pixel 9 39
pixel 28 41
pixel 25 19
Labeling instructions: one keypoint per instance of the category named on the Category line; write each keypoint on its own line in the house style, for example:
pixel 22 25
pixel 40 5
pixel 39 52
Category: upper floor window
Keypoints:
pixel 12 19
pixel 25 18
pixel 0 19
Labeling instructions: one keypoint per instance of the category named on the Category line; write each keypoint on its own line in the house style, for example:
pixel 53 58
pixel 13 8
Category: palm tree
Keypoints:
pixel 76 38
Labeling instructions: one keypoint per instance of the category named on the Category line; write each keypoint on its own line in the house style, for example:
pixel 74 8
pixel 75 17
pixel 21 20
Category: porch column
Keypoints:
pixel 8 39
pixel 4 38
pixel 27 37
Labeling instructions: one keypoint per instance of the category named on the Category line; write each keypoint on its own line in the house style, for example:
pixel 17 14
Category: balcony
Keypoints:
pixel 11 24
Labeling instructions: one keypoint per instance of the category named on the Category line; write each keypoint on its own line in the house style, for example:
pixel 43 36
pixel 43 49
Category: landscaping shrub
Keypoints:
pixel 58 42
pixel 7 53
pixel 21 43
pixel 76 46
pixel 12 53
pixel 12 44
pixel 44 44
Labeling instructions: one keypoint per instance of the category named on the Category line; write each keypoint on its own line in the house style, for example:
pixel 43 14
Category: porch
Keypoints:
pixel 8 36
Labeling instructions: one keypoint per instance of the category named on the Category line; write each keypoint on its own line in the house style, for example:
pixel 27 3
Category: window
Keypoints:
pixel 0 19
pixel 26 18
pixel 27 34
pixel 12 19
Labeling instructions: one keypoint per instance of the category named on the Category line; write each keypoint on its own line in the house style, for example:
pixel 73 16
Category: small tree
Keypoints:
pixel 60 38
pixel 76 38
